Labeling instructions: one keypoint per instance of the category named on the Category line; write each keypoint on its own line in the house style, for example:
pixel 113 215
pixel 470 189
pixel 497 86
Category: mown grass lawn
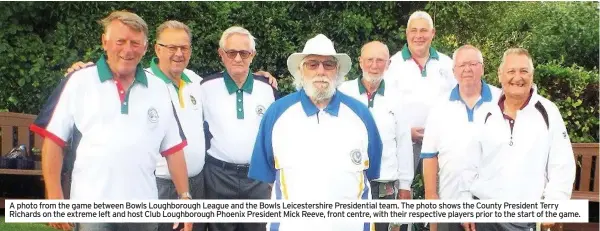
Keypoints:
pixel 23 226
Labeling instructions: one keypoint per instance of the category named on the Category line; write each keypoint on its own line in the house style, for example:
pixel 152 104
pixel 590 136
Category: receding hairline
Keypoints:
pixel 373 44
pixel 518 52
pixel 467 47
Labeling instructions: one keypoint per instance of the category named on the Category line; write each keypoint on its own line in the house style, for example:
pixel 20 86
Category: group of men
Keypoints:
pixel 165 133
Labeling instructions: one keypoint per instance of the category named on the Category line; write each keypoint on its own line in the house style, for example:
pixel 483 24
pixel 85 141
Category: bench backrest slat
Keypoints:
pixel 16 122
pixel 588 166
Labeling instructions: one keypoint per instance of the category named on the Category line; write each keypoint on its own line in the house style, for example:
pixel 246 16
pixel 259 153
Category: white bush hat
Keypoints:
pixel 319 45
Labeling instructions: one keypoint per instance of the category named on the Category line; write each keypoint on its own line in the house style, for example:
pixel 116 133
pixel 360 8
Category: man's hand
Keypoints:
pixel 404 194
pixel 468 226
pixel 547 226
pixel 61 226
pixel 417 134
pixel 186 226
pixel 272 79
pixel 78 66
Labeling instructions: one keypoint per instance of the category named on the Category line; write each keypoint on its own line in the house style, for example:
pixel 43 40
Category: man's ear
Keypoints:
pixel 104 41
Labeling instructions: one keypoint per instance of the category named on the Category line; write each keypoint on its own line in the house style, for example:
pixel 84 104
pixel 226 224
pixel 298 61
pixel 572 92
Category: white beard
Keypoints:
pixel 372 79
pixel 317 94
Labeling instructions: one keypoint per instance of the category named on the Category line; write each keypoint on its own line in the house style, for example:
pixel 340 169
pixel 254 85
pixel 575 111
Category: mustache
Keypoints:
pixel 320 79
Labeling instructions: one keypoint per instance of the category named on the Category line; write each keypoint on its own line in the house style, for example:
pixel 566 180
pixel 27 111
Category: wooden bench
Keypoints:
pixel 585 186
pixel 588 166
pixel 14 130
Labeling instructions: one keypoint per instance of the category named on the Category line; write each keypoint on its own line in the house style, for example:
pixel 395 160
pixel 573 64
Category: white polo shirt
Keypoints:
pixel 420 87
pixel 188 105
pixel 314 154
pixel 526 158
pixel 123 131
pixel 397 158
pixel 449 131
pixel 233 114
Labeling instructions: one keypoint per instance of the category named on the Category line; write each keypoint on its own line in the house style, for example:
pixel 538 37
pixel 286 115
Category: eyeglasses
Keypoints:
pixel 234 53
pixel 378 61
pixel 469 64
pixel 314 64
pixel 173 49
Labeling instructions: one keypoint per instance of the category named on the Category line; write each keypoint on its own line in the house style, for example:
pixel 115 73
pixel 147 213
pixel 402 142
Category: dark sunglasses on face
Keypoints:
pixel 233 53
pixel 314 64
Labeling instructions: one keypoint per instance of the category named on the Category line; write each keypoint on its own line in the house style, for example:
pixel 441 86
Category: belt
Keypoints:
pixel 226 165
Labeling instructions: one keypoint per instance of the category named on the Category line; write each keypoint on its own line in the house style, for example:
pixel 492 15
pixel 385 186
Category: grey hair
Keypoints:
pixel 172 24
pixel 132 20
pixel 516 51
pixel 237 30
pixel 466 47
pixel 420 15
pixel 298 79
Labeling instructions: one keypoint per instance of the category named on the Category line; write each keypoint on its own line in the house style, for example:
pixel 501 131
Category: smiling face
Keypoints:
pixel 419 35
pixel 124 47
pixel 516 75
pixel 173 50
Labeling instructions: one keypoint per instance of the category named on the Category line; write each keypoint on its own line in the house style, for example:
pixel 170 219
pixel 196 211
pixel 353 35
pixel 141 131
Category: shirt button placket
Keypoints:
pixel 240 103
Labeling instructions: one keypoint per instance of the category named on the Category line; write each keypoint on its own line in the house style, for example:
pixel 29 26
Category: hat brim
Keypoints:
pixel 293 63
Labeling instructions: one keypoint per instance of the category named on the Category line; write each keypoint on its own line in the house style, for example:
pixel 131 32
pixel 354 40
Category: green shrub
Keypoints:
pixel 575 93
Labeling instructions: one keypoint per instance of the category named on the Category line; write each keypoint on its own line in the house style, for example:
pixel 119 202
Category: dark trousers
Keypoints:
pixel 450 227
pixel 167 191
pixel 504 226
pixel 230 181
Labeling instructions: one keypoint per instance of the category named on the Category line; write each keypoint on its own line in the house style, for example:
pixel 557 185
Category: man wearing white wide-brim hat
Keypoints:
pixel 317 143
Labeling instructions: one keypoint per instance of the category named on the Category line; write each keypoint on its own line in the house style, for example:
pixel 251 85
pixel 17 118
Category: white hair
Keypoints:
pixel 420 15
pixel 299 82
pixel 466 47
pixel 237 30
pixel 516 51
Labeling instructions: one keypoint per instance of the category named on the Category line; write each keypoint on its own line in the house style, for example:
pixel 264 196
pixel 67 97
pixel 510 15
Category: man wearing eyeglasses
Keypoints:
pixel 318 143
pixel 235 101
pixel 422 75
pixel 397 161
pixel 173 51
pixel 450 129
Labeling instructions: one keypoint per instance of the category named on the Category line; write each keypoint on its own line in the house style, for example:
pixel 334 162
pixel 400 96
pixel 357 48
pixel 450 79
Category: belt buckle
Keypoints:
pixel 240 167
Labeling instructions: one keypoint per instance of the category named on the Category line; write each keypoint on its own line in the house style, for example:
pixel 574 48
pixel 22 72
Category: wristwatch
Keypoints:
pixel 185 195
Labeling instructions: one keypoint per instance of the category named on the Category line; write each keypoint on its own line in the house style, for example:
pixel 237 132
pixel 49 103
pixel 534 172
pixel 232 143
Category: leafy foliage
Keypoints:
pixel 39 41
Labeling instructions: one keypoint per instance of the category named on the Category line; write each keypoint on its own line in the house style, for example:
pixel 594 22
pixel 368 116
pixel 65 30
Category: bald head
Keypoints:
pixel 375 46
pixel 374 60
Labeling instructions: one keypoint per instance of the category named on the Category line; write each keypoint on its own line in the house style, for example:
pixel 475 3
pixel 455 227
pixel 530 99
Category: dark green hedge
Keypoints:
pixel 38 41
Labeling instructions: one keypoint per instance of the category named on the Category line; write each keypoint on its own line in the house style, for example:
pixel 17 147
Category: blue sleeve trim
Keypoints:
pixel 262 162
pixel 375 145
pixel 425 155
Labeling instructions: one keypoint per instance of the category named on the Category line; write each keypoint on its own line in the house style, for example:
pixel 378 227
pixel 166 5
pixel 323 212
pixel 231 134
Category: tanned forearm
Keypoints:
pixel 178 170
pixel 430 168
pixel 52 158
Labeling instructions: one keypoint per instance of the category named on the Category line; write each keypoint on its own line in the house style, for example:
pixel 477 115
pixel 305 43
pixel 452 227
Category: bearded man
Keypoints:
pixel 317 143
